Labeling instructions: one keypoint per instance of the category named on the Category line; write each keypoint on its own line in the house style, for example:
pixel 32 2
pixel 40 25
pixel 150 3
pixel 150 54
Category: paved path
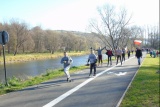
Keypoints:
pixel 104 90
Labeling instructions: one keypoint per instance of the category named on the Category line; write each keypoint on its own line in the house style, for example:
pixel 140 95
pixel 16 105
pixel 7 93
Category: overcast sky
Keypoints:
pixel 74 14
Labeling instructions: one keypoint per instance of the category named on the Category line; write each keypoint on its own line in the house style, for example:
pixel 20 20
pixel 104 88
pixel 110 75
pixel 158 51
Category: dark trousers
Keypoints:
pixel 128 55
pixel 109 59
pixel 123 57
pixel 100 59
pixel 92 66
pixel 119 56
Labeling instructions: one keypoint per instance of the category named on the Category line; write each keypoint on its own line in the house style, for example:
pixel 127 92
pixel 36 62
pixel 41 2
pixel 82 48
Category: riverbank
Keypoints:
pixel 10 58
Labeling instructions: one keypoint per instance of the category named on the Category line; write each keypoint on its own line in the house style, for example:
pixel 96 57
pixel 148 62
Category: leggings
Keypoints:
pixel 66 71
pixel 123 57
pixel 109 59
pixel 100 59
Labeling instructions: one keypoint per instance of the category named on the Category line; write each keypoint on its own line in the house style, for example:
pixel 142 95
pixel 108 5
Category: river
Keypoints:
pixel 34 68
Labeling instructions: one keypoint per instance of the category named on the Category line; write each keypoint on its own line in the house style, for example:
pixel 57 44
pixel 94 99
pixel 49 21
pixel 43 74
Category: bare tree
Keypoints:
pixel 153 37
pixel 38 37
pixel 52 41
pixel 112 25
pixel 20 30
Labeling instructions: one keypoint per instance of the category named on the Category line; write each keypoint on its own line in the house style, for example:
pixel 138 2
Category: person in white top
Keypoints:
pixel 118 53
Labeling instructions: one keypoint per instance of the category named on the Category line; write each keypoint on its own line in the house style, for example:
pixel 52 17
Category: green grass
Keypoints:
pixel 17 84
pixel 144 90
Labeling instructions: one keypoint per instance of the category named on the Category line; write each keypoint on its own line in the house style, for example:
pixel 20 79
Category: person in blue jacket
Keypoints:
pixel 93 60
pixel 66 61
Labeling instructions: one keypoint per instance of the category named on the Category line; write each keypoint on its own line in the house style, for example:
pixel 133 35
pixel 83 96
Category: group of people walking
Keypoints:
pixel 93 59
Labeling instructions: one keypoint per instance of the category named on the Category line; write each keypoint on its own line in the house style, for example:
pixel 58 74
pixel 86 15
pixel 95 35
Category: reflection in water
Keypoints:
pixel 34 68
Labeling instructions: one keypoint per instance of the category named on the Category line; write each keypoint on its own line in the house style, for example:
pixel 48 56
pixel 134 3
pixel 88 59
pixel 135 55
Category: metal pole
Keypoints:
pixel 5 66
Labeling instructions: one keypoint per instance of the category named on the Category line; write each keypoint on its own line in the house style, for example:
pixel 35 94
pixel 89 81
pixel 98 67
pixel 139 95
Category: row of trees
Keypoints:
pixel 111 29
pixel 22 39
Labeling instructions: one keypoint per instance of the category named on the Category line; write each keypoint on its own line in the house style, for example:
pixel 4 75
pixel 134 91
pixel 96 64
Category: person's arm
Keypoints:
pixel 95 49
pixel 88 59
pixel 103 48
pixel 71 61
pixel 95 59
pixel 141 54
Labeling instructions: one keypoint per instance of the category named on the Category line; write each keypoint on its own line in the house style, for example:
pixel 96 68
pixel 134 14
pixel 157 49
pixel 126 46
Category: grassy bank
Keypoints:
pixel 37 56
pixel 144 90
pixel 17 84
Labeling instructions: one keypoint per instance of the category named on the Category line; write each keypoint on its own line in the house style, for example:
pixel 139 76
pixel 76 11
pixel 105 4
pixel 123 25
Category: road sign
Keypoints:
pixel 4 37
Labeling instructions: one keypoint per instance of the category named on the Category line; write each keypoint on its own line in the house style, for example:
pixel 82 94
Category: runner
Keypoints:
pixel 93 60
pixel 66 61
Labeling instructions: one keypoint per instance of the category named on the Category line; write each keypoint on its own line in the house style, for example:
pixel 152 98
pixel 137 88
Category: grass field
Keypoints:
pixel 144 90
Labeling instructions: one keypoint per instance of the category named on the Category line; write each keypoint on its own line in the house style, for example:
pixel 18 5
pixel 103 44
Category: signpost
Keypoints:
pixel 4 38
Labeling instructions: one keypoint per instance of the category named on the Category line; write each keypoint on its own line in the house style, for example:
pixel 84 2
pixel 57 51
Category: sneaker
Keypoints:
pixel 67 79
pixel 70 80
pixel 94 75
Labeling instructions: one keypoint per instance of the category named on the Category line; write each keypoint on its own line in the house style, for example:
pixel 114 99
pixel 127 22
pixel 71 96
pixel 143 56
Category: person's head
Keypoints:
pixel 92 51
pixel 99 47
pixel 138 48
pixel 65 53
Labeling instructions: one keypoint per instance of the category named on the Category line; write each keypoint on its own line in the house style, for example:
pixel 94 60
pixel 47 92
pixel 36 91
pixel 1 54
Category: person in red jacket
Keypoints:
pixel 109 54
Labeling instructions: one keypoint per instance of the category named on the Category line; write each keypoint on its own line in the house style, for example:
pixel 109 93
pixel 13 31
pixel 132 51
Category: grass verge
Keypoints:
pixel 144 90
pixel 18 84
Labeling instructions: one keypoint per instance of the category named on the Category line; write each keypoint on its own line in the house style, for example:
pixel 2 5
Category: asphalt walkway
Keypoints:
pixel 106 89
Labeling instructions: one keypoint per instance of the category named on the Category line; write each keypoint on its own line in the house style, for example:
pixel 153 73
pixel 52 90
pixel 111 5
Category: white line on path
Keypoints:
pixel 63 96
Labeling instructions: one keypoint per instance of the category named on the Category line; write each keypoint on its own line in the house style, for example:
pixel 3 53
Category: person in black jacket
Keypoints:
pixel 139 55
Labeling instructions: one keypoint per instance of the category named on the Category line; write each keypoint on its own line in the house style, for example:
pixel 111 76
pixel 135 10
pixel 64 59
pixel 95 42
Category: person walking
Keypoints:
pixel 123 54
pixel 100 55
pixel 157 53
pixel 154 53
pixel 118 53
pixel 151 53
pixel 66 61
pixel 93 60
pixel 109 54
pixel 128 52
pixel 132 51
pixel 139 55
